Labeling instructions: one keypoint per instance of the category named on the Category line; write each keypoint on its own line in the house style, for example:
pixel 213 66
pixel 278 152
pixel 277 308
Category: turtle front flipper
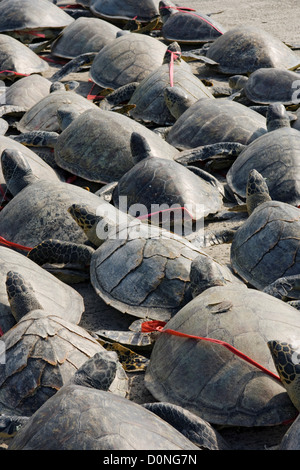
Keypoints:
pixel 257 191
pixel 56 251
pixel 16 170
pixel 74 65
pixel 285 287
pixel 11 424
pixel 20 295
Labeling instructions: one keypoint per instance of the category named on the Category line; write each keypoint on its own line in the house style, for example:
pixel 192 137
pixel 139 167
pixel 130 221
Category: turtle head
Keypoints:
pixel 16 170
pixel 277 117
pixel 177 100
pixel 237 82
pixel 84 216
pixel 66 115
pixel 166 9
pixel 140 148
pixel 257 191
pixel 20 295
pixel 173 51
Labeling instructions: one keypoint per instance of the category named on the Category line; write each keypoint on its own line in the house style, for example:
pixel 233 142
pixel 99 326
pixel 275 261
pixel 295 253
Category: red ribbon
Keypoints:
pixel 8 244
pixel 171 68
pixel 15 73
pixel 32 33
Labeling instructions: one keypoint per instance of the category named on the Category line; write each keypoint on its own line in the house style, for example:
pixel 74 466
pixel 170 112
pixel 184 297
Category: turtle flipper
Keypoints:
pixel 206 152
pixel 20 295
pixel 257 191
pixel 11 424
pixel 16 170
pixel 74 65
pixel 56 251
pixel 284 287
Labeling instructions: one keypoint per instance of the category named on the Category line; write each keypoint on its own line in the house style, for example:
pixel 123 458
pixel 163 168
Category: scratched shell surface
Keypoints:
pixel 210 380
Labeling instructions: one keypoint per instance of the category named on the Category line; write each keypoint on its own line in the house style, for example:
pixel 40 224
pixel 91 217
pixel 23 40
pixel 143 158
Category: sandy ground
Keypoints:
pixel 279 18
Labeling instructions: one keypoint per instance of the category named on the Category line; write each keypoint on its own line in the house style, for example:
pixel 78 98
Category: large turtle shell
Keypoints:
pixel 247 48
pixel 210 380
pixel 272 85
pixel 210 121
pixel 26 15
pixel 51 293
pixel 149 99
pixel 81 418
pixel 276 155
pixel 82 36
pixel 16 58
pixel 27 91
pixel 43 115
pixel 96 146
pixel 266 246
pixel 145 271
pixel 120 10
pixel 42 353
pixel 128 58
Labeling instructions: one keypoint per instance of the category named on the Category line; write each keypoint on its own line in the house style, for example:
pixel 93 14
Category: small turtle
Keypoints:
pixel 27 19
pixel 187 26
pixel 83 35
pixel 124 10
pixel 209 379
pixel 244 49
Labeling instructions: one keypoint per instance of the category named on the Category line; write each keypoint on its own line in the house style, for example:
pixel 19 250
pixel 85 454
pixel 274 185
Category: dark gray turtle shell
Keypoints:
pixel 50 292
pixel 81 418
pixel 27 91
pixel 96 146
pixel 43 115
pixel 120 10
pixel 145 271
pixel 22 15
pixel 210 380
pixel 42 353
pixel 272 85
pixel 247 48
pixel 291 439
pixel 266 247
pixel 149 99
pixel 15 57
pixel 210 121
pixel 139 54
pixel 276 156
pixel 82 36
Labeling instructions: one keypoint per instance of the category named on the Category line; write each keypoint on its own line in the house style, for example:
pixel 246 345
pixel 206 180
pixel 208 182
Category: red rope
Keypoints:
pixel 90 96
pixel 32 33
pixel 8 244
pixel 156 325
pixel 189 11
pixel 15 73
pixel 171 68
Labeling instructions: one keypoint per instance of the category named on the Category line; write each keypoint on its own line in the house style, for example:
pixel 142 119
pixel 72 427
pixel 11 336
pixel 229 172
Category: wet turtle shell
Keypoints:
pixel 276 155
pixel 210 121
pixel 50 292
pixel 96 145
pixel 120 10
pixel 140 55
pixel 83 35
pixel 210 380
pixel 247 48
pixel 18 59
pixel 266 247
pixel 90 419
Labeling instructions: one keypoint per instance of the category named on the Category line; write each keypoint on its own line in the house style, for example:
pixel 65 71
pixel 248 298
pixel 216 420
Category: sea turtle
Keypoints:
pixel 17 60
pixel 66 302
pixel 83 35
pixel 187 26
pixel 27 19
pixel 208 378
pixel 275 155
pixel 122 11
pixel 42 352
pixel 244 49
pixel 140 55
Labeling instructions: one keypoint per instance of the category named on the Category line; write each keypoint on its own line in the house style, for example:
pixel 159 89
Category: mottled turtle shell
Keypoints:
pixel 42 353
pixel 276 156
pixel 266 246
pixel 149 99
pixel 96 145
pixel 82 418
pixel 210 380
pixel 247 48
pixel 27 91
pixel 15 57
pixel 50 292
pixel 128 58
pixel 82 36
pixel 211 121
pixel 120 10
pixel 43 115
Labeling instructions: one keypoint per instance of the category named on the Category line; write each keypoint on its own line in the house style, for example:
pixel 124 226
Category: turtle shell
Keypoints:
pixel 42 353
pixel 18 59
pixel 209 379
pixel 291 439
pixel 124 10
pixel 50 292
pixel 83 418
pixel 96 146
pixel 266 247
pixel 43 115
pixel 82 36
pixel 149 99
pixel 211 121
pixel 272 85
pixel 276 156
pixel 27 91
pixel 128 58
pixel 247 48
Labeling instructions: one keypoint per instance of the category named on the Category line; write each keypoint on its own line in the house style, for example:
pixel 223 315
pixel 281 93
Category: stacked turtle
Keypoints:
pixel 107 206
